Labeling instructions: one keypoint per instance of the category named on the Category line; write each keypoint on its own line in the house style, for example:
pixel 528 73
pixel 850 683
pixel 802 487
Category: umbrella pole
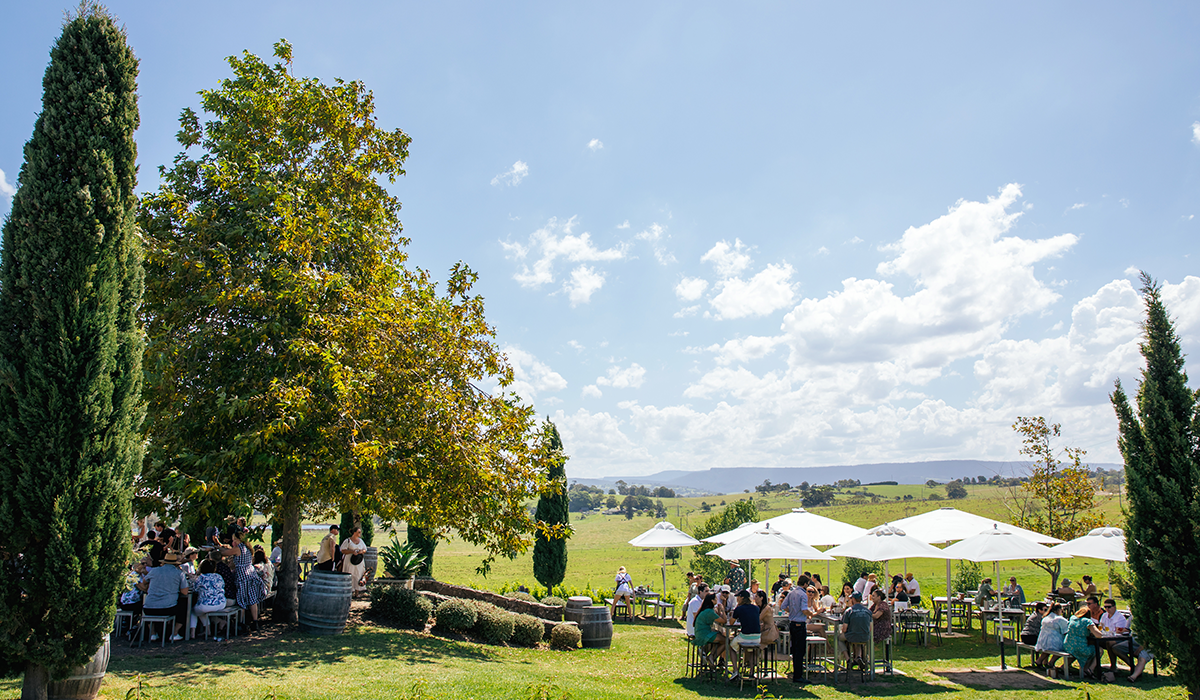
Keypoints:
pixel 1109 578
pixel 948 626
pixel 828 582
pixel 664 570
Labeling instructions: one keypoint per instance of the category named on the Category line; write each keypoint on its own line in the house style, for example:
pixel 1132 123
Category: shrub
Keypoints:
pixel 401 606
pixel 527 630
pixel 554 600
pixel 492 625
pixel 565 636
pixel 456 615
pixel 520 595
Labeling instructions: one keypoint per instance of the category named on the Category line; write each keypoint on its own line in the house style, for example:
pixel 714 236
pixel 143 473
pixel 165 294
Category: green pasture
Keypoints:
pixel 645 661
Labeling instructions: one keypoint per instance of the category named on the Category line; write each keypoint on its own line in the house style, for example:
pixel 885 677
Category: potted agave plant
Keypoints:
pixel 401 562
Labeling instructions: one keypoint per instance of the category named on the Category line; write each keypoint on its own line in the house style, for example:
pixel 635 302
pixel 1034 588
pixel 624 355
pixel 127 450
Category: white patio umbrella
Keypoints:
pixel 884 543
pixel 996 545
pixel 950 524
pixel 810 528
pixel 768 543
pixel 735 534
pixel 1107 543
pixel 664 535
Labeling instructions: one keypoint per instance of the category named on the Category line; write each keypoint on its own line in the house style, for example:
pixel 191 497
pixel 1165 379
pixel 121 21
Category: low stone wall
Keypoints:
pixel 552 613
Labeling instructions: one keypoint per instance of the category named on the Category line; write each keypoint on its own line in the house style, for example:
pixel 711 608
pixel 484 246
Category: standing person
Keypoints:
pixel 795 605
pixel 777 585
pixel 914 590
pixel 326 552
pixel 165 535
pixel 624 591
pixel 163 587
pixel 737 577
pixel 691 582
pixel 860 586
pixel 693 607
pixel 354 552
pixel 212 536
pixel 249 585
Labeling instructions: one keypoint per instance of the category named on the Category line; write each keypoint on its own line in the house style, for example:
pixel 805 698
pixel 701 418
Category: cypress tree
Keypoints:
pixel 1161 448
pixel 70 359
pixel 425 542
pixel 550 553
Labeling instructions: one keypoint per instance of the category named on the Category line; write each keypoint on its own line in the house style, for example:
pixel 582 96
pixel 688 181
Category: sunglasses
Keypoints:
pixel 1110 607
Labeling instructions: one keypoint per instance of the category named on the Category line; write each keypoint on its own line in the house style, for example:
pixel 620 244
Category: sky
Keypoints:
pixel 771 234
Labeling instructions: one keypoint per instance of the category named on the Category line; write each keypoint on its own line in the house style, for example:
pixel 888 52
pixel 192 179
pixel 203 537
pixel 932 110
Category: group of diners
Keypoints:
pixel 1047 630
pixel 233 574
pixel 710 612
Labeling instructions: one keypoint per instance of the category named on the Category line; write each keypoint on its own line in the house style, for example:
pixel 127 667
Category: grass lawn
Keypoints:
pixel 645 661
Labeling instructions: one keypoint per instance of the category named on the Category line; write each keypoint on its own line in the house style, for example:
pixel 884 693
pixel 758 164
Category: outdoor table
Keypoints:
pixel 643 598
pixel 1017 616
pixel 948 605
pixel 1106 643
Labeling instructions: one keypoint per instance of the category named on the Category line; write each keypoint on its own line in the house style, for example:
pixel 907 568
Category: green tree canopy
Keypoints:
pixel 1161 447
pixel 714 569
pixel 70 358
pixel 294 360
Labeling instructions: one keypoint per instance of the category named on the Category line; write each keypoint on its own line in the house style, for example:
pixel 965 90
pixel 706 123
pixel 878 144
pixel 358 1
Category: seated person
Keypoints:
pixel 1113 621
pixel 856 631
pixel 131 596
pixel 827 601
pixel 1051 637
pixel 882 612
pixel 914 590
pixel 900 595
pixel 1013 594
pixel 164 586
pixel 1033 624
pixel 1065 591
pixel 1080 627
pixel 1089 588
pixel 1093 608
pixel 766 620
pixel 748 614
pixel 847 598
pixel 708 631
pixel 985 593
pixel 1129 650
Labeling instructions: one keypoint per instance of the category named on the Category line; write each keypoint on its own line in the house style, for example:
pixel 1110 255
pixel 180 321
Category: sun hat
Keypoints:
pixel 171 557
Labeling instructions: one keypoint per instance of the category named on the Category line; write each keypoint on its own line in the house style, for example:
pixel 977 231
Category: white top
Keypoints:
pixel 827 601
pixel 693 608
pixel 913 587
pixel 277 555
pixel 349 546
pixel 860 586
pixel 1114 622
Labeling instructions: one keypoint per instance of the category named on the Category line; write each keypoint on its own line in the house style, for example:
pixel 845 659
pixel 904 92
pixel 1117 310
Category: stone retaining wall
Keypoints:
pixel 551 613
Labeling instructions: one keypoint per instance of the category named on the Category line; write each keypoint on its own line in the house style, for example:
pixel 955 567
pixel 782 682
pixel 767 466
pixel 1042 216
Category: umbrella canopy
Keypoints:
pixel 1107 543
pixel 768 543
pixel 815 530
pixel 950 524
pixel 886 542
pixel 664 534
pixel 998 545
pixel 735 534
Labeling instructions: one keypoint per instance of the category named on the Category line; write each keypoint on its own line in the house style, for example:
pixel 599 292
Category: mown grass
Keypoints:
pixel 645 661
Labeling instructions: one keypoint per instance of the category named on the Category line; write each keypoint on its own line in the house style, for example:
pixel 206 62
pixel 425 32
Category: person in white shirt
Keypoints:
pixel 827 601
pixel 914 589
pixel 1112 620
pixel 277 553
pixel 861 585
pixel 694 607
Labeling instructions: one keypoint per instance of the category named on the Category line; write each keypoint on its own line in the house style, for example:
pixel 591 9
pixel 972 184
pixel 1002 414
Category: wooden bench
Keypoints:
pixel 628 607
pixel 661 608
pixel 1067 658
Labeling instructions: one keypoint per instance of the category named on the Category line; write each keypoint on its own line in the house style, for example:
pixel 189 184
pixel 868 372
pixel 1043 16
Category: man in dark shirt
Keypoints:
pixel 777 585
pixel 737 577
pixel 165 535
pixel 751 629
pixel 856 627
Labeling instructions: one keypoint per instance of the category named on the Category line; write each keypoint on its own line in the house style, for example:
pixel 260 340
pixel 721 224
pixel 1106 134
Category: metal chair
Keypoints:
pixel 934 625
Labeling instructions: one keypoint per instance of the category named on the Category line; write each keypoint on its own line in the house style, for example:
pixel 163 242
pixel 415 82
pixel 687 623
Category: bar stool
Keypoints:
pixel 754 669
pixel 816 655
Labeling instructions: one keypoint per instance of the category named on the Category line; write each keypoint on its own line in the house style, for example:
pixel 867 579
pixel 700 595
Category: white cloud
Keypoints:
pixel 578 346
pixel 595 145
pixel 855 240
pixel 6 188
pixel 512 176
pixel 584 282
pixel 592 390
pixel 822 251
pixel 1124 202
pixel 768 291
pixel 1077 205
pixel 740 350
pixel 630 377
pixel 691 288
pixel 687 311
pixel 531 376
pixel 728 260
pixel 655 235
pixel 553 241
pixel 1196 133
pixel 623 224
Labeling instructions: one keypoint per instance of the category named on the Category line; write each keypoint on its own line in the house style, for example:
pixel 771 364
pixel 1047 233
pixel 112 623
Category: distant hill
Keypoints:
pixel 735 479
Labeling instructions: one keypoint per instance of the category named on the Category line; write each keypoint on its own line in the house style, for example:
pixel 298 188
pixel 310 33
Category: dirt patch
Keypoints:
pixel 995 680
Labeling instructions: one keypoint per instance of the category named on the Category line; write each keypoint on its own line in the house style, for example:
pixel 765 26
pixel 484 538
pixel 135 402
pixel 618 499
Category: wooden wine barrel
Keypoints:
pixel 325 602
pixel 578 601
pixel 84 681
pixel 596 626
pixel 371 561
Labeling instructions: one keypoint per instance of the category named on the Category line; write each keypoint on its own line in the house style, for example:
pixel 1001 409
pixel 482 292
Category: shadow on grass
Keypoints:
pixel 882 687
pixel 997 680
pixel 291 649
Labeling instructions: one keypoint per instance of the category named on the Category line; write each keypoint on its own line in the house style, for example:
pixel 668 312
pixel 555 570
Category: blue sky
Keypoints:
pixel 779 234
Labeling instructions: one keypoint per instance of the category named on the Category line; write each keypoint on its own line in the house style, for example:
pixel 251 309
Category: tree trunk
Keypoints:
pixel 37 678
pixel 287 602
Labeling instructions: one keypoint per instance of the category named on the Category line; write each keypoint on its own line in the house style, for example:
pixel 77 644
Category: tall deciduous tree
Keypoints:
pixel 294 360
pixel 1059 498
pixel 70 359
pixel 553 509
pixel 1161 447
